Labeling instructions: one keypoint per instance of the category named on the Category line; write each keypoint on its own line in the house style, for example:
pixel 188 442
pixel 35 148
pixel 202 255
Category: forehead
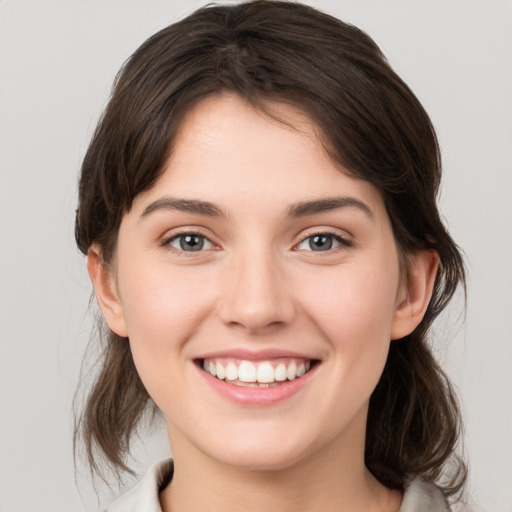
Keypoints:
pixel 229 152
pixel 226 124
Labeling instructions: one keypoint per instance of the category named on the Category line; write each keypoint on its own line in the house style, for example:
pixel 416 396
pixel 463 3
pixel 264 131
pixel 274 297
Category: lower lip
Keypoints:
pixel 254 396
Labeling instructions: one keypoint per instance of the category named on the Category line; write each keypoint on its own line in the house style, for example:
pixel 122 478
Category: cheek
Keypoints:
pixel 161 300
pixel 354 301
pixel 163 307
pixel 355 313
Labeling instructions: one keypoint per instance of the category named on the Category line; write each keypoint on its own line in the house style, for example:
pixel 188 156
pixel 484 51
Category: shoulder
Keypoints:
pixel 421 496
pixel 144 496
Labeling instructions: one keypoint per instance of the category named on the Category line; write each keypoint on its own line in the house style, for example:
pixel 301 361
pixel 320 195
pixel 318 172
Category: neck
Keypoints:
pixel 333 479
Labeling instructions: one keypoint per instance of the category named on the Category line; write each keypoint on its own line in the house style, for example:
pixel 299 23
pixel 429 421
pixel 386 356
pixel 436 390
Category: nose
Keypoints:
pixel 256 295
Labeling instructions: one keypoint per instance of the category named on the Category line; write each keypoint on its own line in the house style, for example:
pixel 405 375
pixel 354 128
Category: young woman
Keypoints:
pixel 258 210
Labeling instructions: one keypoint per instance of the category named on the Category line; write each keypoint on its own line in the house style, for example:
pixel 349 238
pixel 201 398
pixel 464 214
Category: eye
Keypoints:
pixel 322 242
pixel 189 242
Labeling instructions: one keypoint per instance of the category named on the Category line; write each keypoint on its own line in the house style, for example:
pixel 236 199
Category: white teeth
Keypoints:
pixel 280 372
pixel 221 372
pixel 265 373
pixel 291 371
pixel 262 374
pixel 231 371
pixel 247 372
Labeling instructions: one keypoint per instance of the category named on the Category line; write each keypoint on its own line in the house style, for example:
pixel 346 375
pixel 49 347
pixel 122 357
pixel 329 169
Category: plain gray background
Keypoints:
pixel 58 59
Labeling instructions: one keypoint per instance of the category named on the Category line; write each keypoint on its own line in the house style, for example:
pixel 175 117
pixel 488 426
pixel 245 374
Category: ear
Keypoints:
pixel 104 283
pixel 415 293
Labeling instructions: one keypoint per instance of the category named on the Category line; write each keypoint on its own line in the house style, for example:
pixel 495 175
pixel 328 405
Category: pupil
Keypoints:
pixel 191 242
pixel 321 243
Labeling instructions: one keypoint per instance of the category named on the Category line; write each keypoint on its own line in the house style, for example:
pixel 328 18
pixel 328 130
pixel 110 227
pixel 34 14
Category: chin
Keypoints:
pixel 261 452
pixel 258 461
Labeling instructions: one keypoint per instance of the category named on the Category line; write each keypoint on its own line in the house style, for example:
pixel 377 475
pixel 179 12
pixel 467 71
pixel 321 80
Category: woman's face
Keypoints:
pixel 254 259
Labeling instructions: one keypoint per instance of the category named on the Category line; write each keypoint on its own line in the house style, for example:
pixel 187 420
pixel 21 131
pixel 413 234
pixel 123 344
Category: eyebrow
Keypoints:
pixel 305 208
pixel 301 209
pixel 184 205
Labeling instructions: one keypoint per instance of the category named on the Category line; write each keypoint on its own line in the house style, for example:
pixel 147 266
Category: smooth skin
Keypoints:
pixel 268 273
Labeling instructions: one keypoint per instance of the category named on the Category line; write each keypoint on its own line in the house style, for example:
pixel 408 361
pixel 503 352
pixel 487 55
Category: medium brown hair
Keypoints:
pixel 371 124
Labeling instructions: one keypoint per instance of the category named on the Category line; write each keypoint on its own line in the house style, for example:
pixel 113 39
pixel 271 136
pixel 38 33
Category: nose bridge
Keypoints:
pixel 255 293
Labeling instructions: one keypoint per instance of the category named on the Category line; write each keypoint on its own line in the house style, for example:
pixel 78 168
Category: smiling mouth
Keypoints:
pixel 263 374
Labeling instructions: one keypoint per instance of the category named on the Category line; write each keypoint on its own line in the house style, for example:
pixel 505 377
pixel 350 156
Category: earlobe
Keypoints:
pixel 421 274
pixel 106 292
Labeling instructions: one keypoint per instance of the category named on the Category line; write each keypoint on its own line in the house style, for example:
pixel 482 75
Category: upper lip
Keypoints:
pixel 256 355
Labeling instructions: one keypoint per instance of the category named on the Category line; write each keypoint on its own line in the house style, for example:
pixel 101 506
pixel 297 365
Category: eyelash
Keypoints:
pixel 167 242
pixel 343 242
